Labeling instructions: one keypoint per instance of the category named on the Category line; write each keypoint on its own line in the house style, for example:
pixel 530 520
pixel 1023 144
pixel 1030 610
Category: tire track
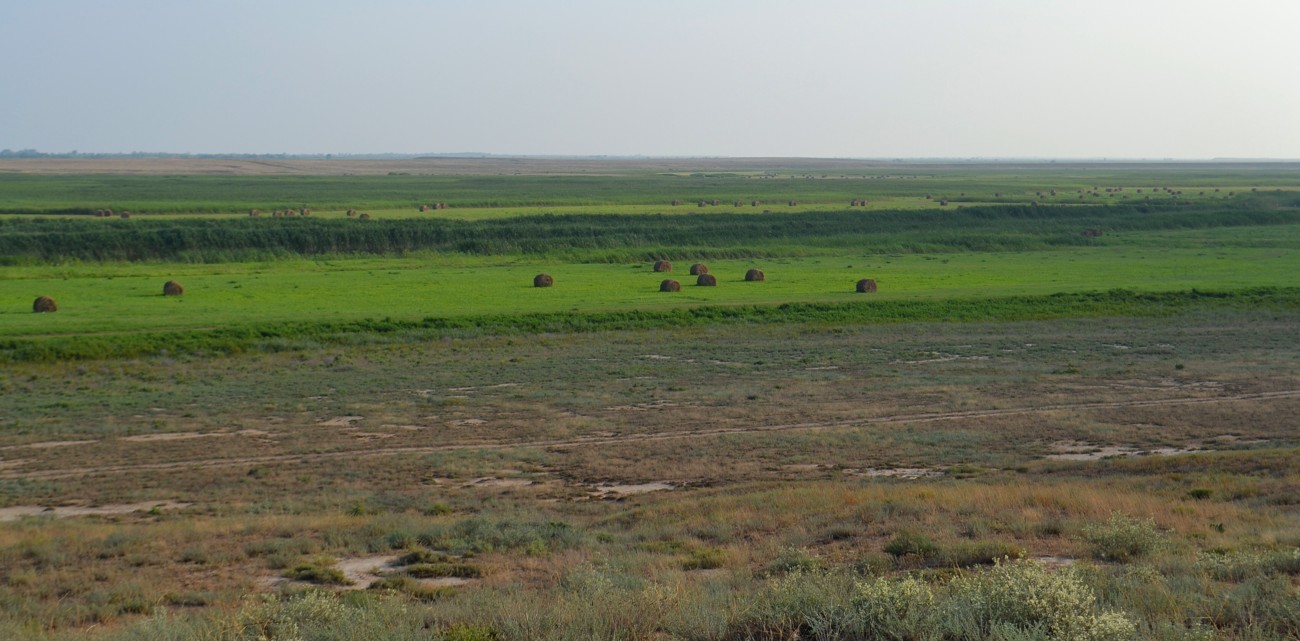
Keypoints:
pixel 589 441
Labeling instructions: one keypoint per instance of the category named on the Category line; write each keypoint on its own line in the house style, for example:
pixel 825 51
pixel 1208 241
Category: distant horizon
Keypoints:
pixel 469 155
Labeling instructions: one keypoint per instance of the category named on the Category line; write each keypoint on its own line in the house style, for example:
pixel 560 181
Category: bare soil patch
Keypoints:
pixel 19 511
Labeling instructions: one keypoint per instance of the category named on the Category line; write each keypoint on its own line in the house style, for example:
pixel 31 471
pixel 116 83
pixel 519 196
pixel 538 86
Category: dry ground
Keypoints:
pixel 195 481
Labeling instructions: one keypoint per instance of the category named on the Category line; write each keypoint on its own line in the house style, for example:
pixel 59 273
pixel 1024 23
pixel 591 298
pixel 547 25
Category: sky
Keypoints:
pixel 1183 79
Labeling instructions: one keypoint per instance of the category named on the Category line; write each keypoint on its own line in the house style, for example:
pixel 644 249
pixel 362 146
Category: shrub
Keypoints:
pixel 1123 538
pixel 1026 600
pixel 892 609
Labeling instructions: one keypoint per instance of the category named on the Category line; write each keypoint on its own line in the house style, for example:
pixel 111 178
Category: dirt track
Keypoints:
pixel 596 441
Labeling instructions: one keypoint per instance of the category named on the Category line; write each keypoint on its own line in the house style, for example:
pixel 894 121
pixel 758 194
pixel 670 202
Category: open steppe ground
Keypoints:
pixel 407 441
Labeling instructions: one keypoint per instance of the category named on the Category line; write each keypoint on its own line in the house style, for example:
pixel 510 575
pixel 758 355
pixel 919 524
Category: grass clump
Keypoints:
pixel 318 571
pixel 908 543
pixel 443 570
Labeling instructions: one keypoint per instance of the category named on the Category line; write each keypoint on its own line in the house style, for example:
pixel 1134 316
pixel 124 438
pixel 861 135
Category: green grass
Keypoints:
pixel 119 298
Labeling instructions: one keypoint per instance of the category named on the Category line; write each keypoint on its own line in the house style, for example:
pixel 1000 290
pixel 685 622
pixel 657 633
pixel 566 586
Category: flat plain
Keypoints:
pixel 394 435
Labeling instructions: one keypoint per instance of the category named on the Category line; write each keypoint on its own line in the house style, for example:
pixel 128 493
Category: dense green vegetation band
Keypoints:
pixel 611 238
pixel 281 336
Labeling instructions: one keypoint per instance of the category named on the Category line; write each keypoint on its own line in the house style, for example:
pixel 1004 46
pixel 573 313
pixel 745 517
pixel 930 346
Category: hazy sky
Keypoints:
pixel 866 78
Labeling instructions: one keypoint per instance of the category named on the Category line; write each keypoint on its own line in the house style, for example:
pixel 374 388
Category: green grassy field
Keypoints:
pixel 380 429
pixel 128 298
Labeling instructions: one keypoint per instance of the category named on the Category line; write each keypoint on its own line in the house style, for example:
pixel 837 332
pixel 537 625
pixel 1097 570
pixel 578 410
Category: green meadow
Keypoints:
pixel 128 298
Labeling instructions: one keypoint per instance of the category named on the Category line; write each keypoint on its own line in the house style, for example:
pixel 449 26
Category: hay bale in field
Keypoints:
pixel 253 213
pixel 755 203
pixel 794 203
pixel 352 213
pixel 755 275
pixel 715 202
pixel 364 216
pixel 866 286
pixel 173 288
pixel 306 212
pixel 663 266
pixel 543 280
pixel 443 206
pixel 424 208
pixel 670 285
pixel 740 203
pixel 707 280
pixel 44 304
pixel 125 214
pixel 676 202
pixel 701 204
pixel 699 268
pixel 853 203
pixel 943 203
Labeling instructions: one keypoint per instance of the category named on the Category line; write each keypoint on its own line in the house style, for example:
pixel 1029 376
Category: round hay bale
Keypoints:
pixel 676 202
pixel 754 203
pixel 125 214
pixel 740 203
pixel 364 216
pixel 543 280
pixel 254 213
pixel 794 203
pixel 715 202
pixel 663 266
pixel 306 212
pixel 866 286
pixel 755 275
pixel 424 208
pixel 44 304
pixel 701 204
pixel 172 288
pixel 352 213
pixel 670 285
pixel 699 268
pixel 707 280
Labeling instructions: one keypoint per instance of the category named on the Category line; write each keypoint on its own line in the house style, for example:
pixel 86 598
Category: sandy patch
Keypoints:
pixel 1054 561
pixel 365 570
pixel 494 481
pixel 466 422
pixel 371 436
pixel 629 490
pixel 940 357
pixel 906 473
pixel 341 421
pixel 185 436
pixel 1067 451
pixel 642 407
pixel 802 467
pixel 45 445
pixel 19 511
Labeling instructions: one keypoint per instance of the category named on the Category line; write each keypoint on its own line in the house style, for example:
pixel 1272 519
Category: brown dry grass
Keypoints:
pixel 767 434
